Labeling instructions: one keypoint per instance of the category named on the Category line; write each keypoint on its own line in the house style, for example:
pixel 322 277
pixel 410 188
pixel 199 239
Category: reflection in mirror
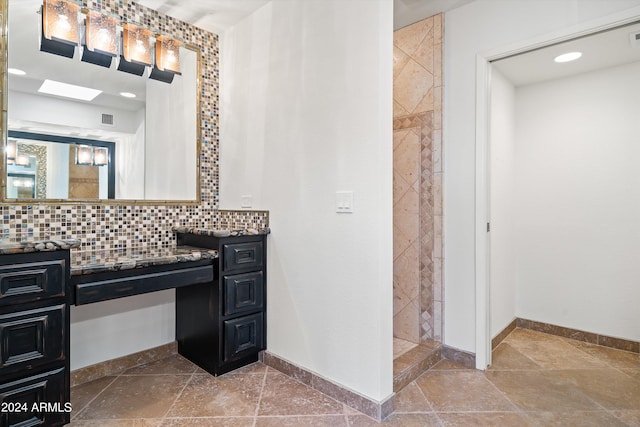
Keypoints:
pixel 153 124
pixel 56 167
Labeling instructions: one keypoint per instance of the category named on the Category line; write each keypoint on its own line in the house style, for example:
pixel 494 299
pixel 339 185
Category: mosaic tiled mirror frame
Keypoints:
pixel 105 225
pixel 193 38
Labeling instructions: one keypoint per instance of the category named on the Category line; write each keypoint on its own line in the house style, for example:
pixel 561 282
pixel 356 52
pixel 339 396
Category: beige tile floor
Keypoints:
pixel 536 380
pixel 401 346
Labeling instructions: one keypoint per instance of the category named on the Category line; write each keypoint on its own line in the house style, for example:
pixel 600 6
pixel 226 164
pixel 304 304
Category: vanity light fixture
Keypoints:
pixel 12 149
pixel 167 59
pixel 22 160
pixel 136 50
pixel 28 183
pixel 168 54
pixel 101 39
pixel 128 94
pixel 100 156
pixel 52 87
pixel 567 57
pixel 59 27
pixel 84 155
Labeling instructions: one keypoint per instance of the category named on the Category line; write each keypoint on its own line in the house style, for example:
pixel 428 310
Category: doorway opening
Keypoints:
pixel 562 193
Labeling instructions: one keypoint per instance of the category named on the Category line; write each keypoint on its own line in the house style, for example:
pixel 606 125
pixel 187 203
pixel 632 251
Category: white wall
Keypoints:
pixel 111 329
pixel 478 28
pixel 502 207
pixel 50 110
pixel 171 134
pixel 578 201
pixel 130 179
pixel 306 95
pixel 57 160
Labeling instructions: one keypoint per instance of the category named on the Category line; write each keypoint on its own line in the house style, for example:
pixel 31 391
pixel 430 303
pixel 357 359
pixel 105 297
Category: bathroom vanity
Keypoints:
pixel 34 334
pixel 219 277
pixel 221 326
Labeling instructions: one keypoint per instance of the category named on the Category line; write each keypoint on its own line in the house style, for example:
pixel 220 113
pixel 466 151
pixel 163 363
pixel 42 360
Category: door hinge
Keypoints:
pixel 488 227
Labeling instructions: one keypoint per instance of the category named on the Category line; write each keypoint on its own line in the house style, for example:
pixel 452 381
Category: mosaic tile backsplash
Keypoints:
pixel 119 226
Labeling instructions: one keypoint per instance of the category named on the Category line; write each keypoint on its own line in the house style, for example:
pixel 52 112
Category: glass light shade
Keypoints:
pixel 28 183
pixel 11 149
pixel 168 54
pixel 101 33
pixel 22 160
pixel 60 21
pixel 136 46
pixel 84 155
pixel 100 156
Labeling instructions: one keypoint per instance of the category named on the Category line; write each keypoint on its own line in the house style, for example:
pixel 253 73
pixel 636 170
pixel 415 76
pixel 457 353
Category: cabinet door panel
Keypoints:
pixel 238 256
pixel 243 335
pixel 31 281
pixel 243 292
pixel 33 337
pixel 44 391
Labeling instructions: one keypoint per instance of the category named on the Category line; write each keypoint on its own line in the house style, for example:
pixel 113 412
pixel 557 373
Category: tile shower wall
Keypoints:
pixel 116 226
pixel 417 180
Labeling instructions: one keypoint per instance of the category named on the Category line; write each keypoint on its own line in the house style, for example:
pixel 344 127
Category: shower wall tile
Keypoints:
pixel 406 278
pixel 412 85
pixel 405 272
pixel 418 109
pixel 407 323
pixel 437 151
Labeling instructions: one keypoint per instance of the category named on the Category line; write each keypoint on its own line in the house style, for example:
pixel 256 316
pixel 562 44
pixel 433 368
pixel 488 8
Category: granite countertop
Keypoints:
pixel 125 259
pixel 221 233
pixel 87 262
pixel 38 246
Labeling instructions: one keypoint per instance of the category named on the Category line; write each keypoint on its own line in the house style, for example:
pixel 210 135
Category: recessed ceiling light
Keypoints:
pixel 128 94
pixel 66 90
pixel 567 57
pixel 16 72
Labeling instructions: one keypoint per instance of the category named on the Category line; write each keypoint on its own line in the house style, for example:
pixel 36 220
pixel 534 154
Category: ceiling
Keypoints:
pixel 218 15
pixel 212 15
pixel 600 50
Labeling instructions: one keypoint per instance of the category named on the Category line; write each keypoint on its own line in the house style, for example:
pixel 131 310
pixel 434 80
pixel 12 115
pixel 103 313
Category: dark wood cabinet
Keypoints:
pixel 221 325
pixel 34 339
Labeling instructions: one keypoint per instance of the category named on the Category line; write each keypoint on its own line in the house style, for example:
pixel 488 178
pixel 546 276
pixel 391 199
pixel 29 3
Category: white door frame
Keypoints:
pixel 482 205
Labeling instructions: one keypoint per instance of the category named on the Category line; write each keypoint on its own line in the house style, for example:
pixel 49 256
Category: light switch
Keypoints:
pixel 344 201
pixel 246 201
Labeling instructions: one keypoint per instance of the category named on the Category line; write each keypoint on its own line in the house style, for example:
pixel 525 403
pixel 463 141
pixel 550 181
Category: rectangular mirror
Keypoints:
pixel 150 121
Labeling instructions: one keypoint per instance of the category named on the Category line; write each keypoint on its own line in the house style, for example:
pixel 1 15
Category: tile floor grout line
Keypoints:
pixel 606 361
pixel 622 370
pixel 422 392
pixel 606 367
pixel 178 395
pixel 264 383
pixel 520 352
pixel 94 397
pixel 592 357
pixel 518 409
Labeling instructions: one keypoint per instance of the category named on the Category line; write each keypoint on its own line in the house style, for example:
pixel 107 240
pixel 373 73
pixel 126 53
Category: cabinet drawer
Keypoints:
pixel 46 390
pixel 238 256
pixel 243 292
pixel 243 335
pixel 33 337
pixel 31 281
